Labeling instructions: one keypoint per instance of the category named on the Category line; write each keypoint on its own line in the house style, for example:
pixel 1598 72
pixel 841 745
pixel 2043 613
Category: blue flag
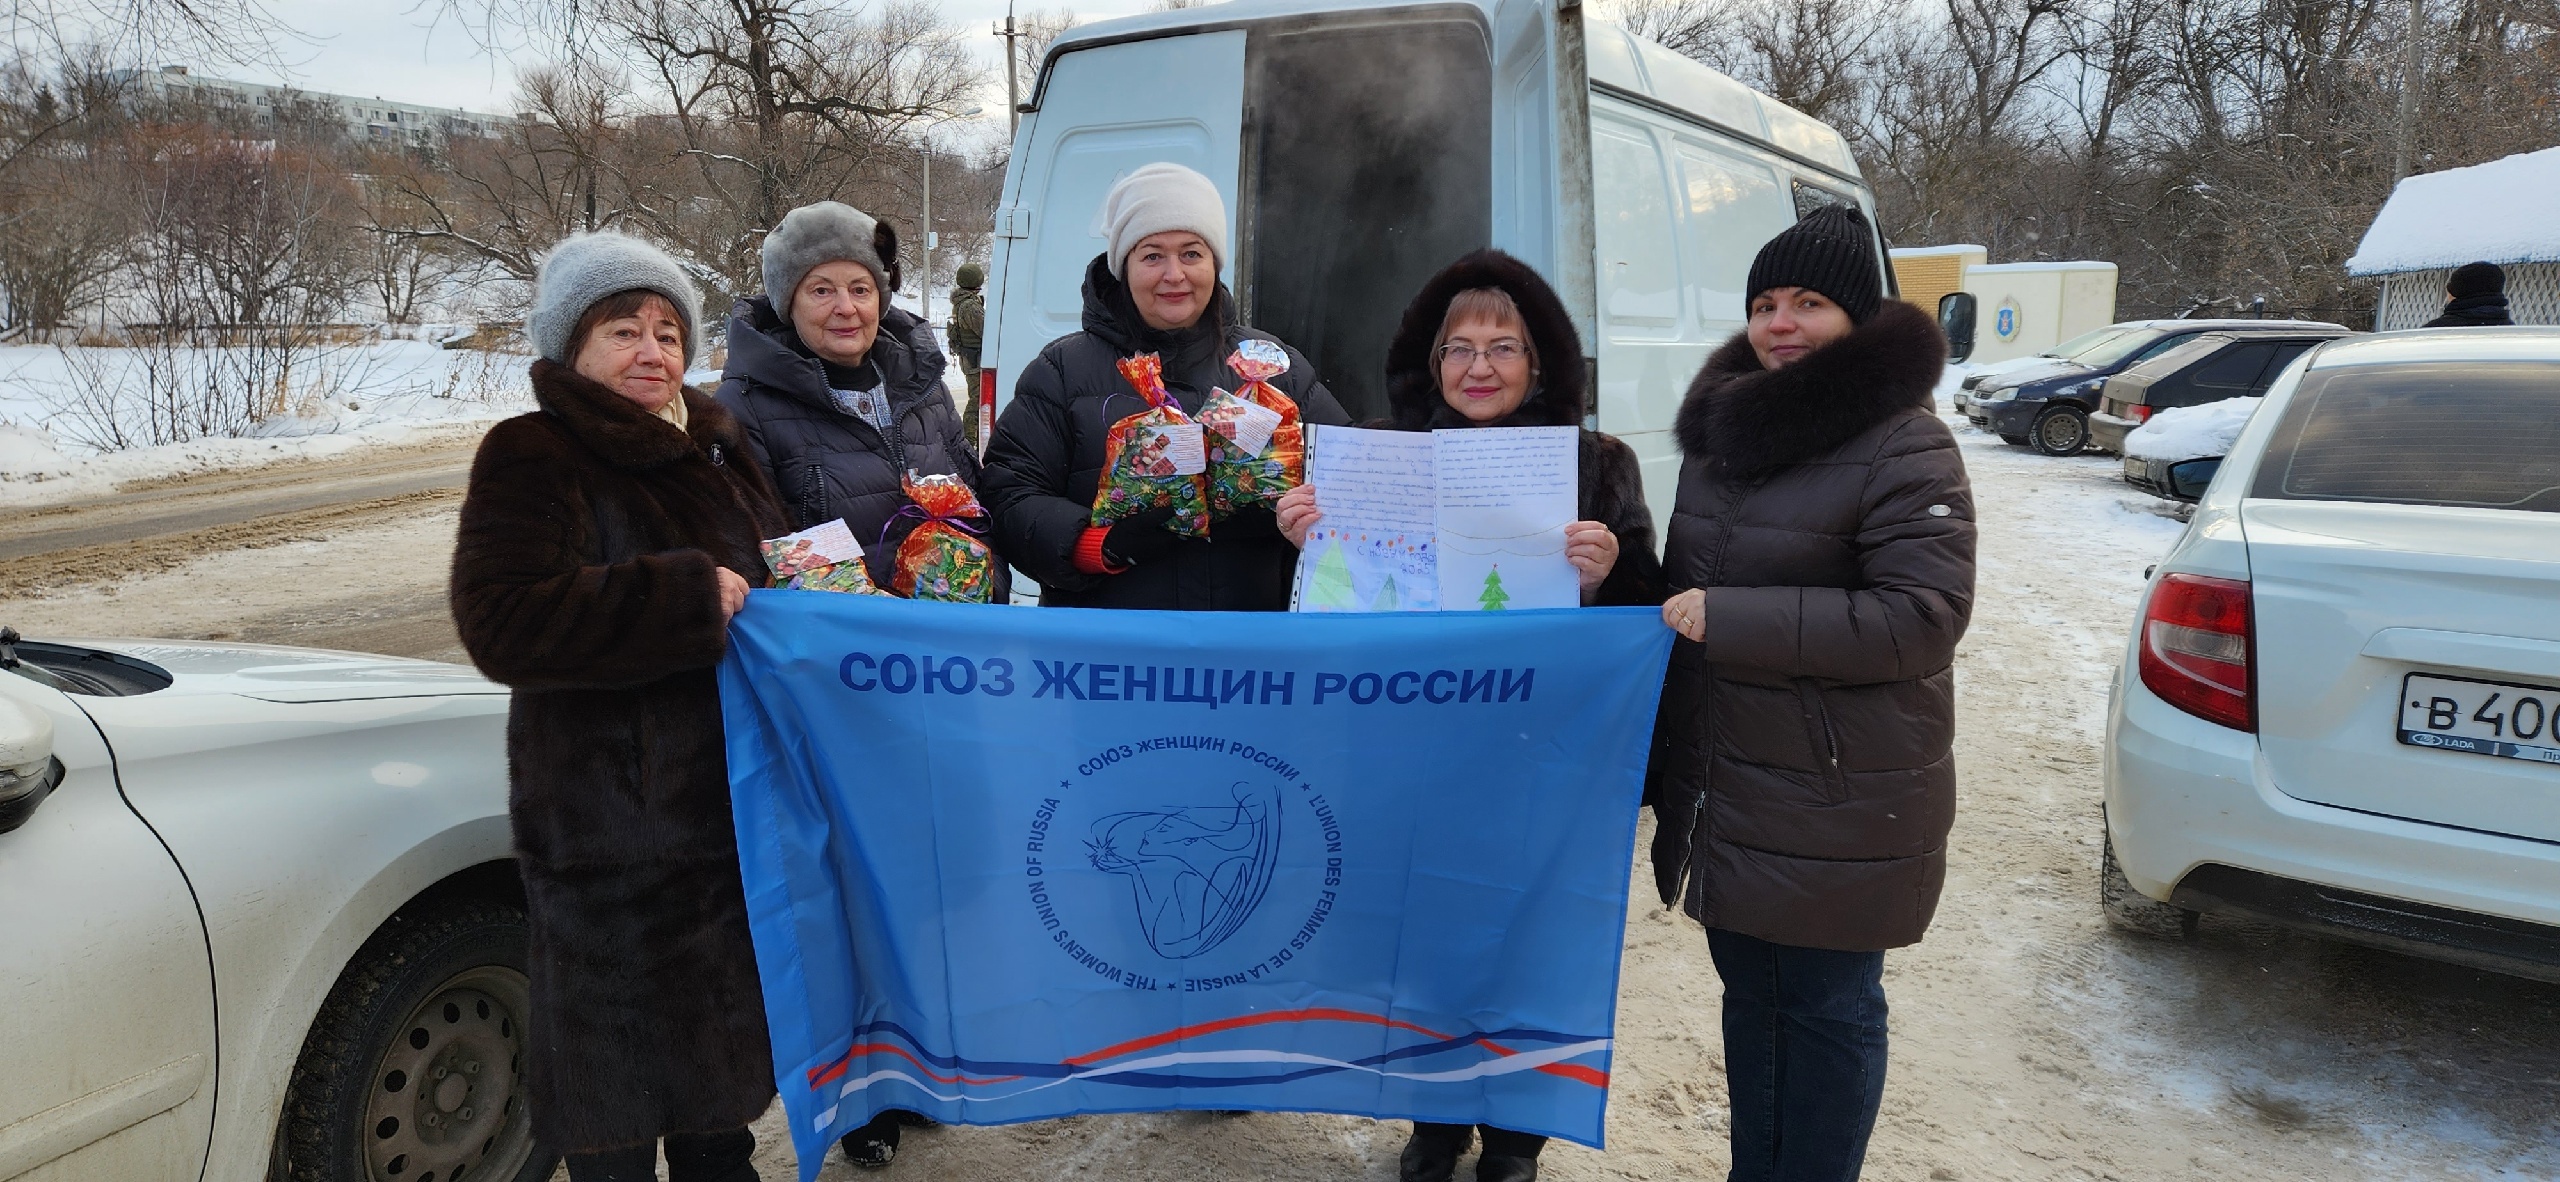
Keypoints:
pixel 1008 864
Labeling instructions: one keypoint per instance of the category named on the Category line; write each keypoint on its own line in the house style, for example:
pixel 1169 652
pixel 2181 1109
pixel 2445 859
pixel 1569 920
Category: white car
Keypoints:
pixel 2338 708
pixel 259 918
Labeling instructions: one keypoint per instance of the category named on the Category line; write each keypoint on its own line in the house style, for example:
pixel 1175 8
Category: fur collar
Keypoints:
pixel 1413 382
pixel 625 435
pixel 1757 421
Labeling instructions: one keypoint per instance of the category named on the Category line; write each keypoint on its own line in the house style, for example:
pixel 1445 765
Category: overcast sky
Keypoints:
pixel 394 49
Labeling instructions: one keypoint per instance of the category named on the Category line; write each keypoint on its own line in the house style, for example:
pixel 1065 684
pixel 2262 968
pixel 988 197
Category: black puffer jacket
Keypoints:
pixel 1611 487
pixel 1804 773
pixel 825 463
pixel 1046 458
pixel 2480 311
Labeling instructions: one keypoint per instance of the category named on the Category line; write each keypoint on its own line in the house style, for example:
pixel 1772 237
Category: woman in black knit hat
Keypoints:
pixel 2475 297
pixel 1802 780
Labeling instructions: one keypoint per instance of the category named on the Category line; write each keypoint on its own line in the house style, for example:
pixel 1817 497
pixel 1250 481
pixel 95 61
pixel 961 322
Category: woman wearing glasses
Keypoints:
pixel 1488 344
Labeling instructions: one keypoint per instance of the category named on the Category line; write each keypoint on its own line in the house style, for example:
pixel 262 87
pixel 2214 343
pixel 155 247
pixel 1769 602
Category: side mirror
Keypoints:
pixel 1955 318
pixel 2187 479
pixel 27 768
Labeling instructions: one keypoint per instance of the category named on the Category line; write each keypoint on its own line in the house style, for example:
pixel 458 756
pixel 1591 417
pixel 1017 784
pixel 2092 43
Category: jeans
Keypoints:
pixel 691 1157
pixel 1804 1054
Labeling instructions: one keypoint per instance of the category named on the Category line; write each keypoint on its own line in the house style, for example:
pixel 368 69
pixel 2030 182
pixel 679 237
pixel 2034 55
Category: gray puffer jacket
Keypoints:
pixel 826 463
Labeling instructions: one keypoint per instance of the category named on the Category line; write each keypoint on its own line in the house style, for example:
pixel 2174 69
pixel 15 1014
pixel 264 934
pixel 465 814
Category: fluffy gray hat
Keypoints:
pixel 821 233
pixel 588 267
pixel 1158 198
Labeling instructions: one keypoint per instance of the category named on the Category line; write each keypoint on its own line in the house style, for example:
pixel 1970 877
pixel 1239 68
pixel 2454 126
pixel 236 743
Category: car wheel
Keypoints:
pixel 2060 430
pixel 414 1069
pixel 2130 910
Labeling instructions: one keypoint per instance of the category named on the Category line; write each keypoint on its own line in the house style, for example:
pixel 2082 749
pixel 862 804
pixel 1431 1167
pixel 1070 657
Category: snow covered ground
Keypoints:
pixel 392 393
pixel 389 393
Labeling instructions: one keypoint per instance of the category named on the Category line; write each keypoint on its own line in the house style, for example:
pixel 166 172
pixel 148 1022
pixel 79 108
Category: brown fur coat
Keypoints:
pixel 584 579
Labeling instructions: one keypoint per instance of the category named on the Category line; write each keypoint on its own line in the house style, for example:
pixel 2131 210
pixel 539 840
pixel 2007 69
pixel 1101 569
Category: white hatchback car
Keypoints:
pixel 2339 707
pixel 259 918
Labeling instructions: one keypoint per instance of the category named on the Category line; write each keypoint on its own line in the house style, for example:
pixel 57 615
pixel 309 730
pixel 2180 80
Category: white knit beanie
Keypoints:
pixel 585 268
pixel 812 236
pixel 1158 198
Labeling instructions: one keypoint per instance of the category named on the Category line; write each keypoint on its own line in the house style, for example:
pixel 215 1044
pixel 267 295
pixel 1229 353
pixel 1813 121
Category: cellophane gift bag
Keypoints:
pixel 1154 459
pixel 820 558
pixel 1257 449
pixel 942 558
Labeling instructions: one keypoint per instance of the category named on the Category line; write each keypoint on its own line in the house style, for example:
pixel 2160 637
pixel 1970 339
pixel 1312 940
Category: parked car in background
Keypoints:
pixel 2174 454
pixel 2048 406
pixel 2337 708
pixel 263 921
pixel 2206 368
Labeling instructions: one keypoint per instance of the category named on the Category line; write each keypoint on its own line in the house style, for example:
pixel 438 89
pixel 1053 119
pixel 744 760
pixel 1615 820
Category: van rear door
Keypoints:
pixel 1104 111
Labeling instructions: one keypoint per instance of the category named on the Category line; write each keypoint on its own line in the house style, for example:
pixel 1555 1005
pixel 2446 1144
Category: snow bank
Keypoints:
pixel 52 417
pixel 2191 432
pixel 2505 211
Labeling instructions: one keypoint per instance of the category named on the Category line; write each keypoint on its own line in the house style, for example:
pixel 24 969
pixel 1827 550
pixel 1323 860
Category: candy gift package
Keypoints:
pixel 1154 459
pixel 820 558
pixel 1257 449
pixel 943 558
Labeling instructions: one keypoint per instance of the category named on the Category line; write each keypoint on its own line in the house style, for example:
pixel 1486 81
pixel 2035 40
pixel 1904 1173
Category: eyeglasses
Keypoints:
pixel 1501 353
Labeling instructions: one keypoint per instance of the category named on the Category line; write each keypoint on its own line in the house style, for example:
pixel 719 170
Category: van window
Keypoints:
pixel 2477 434
pixel 1368 167
pixel 1639 279
pixel 1733 207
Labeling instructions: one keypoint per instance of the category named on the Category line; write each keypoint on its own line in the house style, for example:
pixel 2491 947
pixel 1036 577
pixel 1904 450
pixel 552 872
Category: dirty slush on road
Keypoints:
pixel 2030 1042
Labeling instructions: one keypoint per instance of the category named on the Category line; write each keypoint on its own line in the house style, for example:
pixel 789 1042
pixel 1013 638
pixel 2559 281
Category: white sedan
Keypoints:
pixel 2338 709
pixel 258 918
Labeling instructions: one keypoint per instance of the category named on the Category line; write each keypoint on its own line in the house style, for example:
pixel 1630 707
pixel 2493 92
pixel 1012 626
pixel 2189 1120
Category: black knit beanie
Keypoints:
pixel 2476 279
pixel 1832 251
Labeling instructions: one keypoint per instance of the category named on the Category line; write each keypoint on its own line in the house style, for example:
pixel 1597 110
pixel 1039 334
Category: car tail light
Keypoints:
pixel 2196 647
pixel 986 410
pixel 2138 413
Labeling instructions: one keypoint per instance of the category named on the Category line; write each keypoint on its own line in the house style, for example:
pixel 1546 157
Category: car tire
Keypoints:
pixel 2130 910
pixel 414 1069
pixel 2060 431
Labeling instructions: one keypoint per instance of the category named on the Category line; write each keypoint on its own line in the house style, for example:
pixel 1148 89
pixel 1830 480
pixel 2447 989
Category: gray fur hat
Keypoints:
pixel 1157 198
pixel 585 268
pixel 820 233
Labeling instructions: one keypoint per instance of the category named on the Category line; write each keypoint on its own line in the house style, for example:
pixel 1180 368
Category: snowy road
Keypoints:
pixel 2029 1041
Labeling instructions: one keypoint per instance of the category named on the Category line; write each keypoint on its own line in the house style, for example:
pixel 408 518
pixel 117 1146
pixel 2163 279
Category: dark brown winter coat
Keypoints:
pixel 583 578
pixel 1803 776
pixel 1611 487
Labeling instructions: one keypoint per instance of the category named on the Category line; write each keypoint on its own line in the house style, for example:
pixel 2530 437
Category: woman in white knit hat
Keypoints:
pixel 1155 289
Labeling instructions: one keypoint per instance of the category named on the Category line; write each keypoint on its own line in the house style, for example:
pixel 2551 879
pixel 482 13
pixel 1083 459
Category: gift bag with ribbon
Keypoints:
pixel 1257 449
pixel 820 558
pixel 1154 459
pixel 942 557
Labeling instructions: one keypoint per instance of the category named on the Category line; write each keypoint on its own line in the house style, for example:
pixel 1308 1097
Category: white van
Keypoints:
pixel 1362 147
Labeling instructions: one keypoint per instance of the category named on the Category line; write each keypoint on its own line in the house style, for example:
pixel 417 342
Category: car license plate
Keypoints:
pixel 2486 717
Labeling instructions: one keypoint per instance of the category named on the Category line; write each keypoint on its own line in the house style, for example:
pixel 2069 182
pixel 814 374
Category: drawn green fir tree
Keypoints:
pixel 1386 598
pixel 1494 597
pixel 1330 587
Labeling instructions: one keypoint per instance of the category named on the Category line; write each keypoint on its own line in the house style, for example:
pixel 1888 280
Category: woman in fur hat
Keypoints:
pixel 1487 343
pixel 841 394
pixel 1803 783
pixel 606 540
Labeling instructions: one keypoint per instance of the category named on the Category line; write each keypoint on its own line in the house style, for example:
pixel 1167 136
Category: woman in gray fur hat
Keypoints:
pixel 606 541
pixel 840 393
